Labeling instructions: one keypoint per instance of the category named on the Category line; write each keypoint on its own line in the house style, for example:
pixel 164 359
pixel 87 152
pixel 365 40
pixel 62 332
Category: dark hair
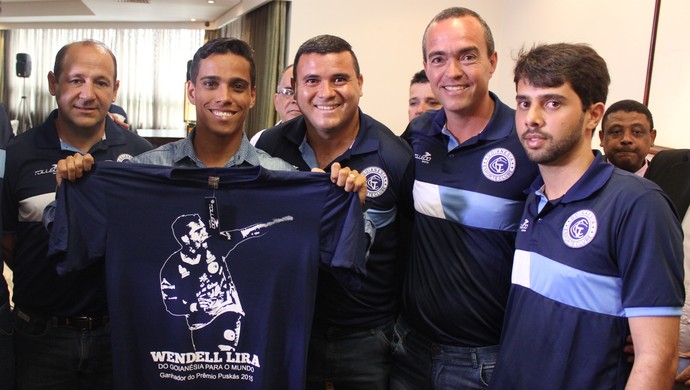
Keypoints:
pixel 325 44
pixel 60 56
pixel 554 65
pixel 419 78
pixel 459 12
pixel 628 106
pixel 224 46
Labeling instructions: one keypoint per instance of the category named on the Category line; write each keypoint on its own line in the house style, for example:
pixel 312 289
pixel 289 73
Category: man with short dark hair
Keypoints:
pixel 470 175
pixel 627 134
pixel 422 97
pixel 332 130
pixel 598 252
pixel 62 331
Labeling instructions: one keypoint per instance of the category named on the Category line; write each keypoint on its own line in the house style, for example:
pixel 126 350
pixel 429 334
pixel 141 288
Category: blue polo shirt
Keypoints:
pixel 468 199
pixel 387 162
pixel 610 249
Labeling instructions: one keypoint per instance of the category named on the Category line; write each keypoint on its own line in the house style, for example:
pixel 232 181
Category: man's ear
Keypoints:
pixel 191 92
pixel 253 98
pixel 52 81
pixel 116 88
pixel 595 113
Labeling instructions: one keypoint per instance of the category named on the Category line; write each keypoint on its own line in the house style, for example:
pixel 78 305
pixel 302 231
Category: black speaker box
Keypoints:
pixel 23 65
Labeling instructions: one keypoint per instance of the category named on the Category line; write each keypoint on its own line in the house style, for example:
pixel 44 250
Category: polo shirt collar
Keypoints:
pixel 48 136
pixel 501 124
pixel 366 141
pixel 595 177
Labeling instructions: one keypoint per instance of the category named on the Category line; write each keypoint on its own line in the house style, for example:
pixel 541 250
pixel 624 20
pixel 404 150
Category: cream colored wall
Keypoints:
pixel 386 36
pixel 670 93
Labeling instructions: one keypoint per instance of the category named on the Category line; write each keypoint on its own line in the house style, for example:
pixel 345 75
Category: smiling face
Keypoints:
pixel 626 138
pixel 84 89
pixel 551 124
pixel 458 64
pixel 327 90
pixel 223 94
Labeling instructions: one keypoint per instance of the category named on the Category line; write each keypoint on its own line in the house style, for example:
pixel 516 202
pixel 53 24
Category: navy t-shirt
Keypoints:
pixel 209 288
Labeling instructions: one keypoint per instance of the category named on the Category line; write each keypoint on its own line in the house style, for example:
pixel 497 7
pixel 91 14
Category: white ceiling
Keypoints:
pixel 120 11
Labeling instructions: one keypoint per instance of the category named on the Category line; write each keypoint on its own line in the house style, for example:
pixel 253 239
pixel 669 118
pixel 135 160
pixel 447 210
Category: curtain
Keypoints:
pixel 210 35
pixel 265 29
pixel 152 66
pixel 233 30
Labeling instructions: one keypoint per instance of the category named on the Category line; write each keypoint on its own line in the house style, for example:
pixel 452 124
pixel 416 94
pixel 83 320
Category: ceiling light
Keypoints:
pixel 193 19
pixel 211 2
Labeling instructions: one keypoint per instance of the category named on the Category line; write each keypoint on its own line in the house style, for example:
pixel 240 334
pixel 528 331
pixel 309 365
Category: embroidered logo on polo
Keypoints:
pixel 524 225
pixel 124 157
pixel 580 229
pixel 377 181
pixel 51 170
pixel 424 158
pixel 498 165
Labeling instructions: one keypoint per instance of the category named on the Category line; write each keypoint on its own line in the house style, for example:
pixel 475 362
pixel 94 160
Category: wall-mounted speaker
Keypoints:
pixel 23 65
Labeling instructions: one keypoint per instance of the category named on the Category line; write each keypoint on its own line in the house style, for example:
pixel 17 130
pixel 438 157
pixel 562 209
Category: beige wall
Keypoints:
pixel 386 36
pixel 670 93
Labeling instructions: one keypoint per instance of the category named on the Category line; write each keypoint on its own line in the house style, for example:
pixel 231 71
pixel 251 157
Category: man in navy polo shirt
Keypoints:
pixel 470 174
pixel 349 345
pixel 62 333
pixel 598 252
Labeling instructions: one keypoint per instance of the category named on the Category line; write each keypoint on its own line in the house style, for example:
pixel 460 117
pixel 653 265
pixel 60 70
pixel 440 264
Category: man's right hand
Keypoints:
pixel 73 167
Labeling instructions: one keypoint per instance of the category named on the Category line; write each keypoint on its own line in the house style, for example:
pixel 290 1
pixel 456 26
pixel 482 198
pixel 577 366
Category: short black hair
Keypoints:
pixel 628 105
pixel 419 78
pixel 325 44
pixel 459 12
pixel 224 46
pixel 554 65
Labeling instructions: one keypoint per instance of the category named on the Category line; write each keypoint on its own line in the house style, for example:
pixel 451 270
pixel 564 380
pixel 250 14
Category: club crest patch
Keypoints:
pixel 498 165
pixel 580 229
pixel 377 181
pixel 124 157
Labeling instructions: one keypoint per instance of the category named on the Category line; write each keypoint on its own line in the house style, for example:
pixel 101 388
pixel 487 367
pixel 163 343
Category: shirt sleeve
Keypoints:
pixel 78 235
pixel 343 241
pixel 650 247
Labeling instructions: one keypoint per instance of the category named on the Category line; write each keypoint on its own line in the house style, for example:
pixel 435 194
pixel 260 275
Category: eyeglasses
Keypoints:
pixel 287 92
